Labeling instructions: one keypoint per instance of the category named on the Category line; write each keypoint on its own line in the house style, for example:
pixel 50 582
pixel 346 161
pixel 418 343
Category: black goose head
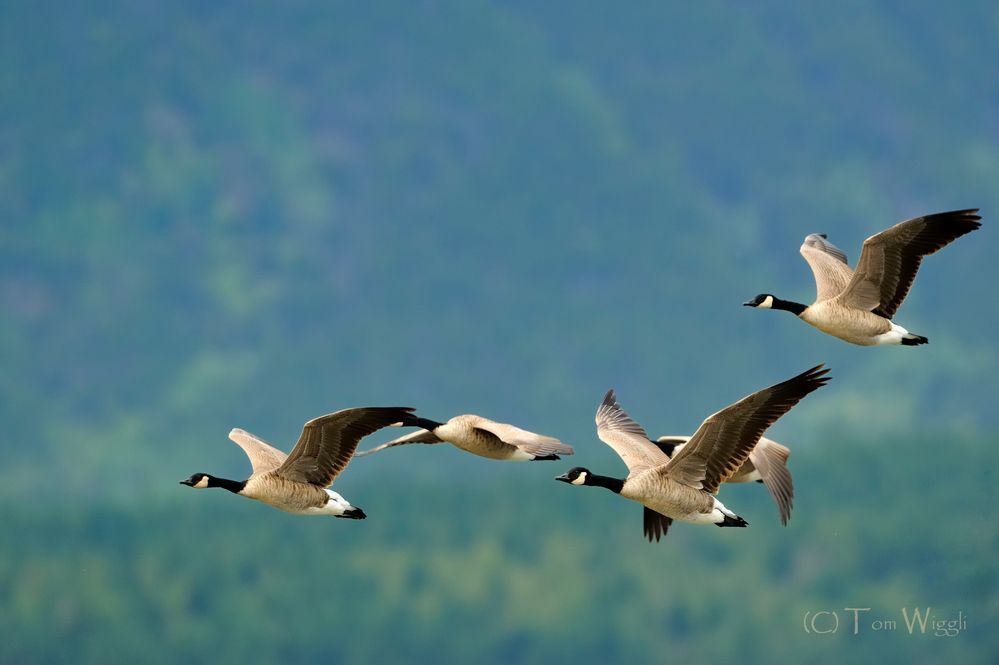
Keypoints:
pixel 202 480
pixel 198 481
pixel 575 476
pixel 666 446
pixel 770 301
pixel 762 301
pixel 580 476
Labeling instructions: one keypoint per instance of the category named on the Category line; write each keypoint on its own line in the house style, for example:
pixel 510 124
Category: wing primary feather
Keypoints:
pixel 617 429
pixel 655 525
pixel 327 443
pixel 890 259
pixel 725 439
pixel 611 416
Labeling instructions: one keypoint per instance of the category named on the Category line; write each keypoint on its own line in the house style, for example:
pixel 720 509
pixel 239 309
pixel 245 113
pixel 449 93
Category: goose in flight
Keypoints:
pixel 483 437
pixel 297 482
pixel 858 305
pixel 684 487
pixel 767 464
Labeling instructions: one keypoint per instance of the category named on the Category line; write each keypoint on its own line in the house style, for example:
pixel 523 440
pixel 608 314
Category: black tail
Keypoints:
pixel 544 458
pixel 915 340
pixel 411 420
pixel 353 513
pixel 732 521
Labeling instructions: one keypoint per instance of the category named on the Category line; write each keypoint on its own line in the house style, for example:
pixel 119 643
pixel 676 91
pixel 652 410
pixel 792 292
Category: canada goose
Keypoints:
pixel 683 487
pixel 297 483
pixel 767 464
pixel 483 437
pixel 857 306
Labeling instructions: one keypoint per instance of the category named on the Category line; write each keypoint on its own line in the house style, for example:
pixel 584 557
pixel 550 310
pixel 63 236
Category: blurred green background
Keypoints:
pixel 250 214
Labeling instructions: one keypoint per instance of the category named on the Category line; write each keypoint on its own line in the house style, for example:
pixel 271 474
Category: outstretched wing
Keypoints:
pixel 890 260
pixel 419 436
pixel 655 524
pixel 327 443
pixel 828 264
pixel 724 440
pixel 626 437
pixel 263 456
pixel 770 459
pixel 534 444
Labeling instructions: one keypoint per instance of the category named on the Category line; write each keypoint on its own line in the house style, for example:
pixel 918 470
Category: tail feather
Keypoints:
pixel 732 520
pixel 353 513
pixel 914 340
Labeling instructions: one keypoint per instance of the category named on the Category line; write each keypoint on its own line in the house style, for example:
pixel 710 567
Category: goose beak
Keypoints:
pixel 564 478
pixel 187 482
pixel 749 303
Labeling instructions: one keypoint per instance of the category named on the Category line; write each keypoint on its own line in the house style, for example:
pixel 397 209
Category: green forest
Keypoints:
pixel 251 214
pixel 518 568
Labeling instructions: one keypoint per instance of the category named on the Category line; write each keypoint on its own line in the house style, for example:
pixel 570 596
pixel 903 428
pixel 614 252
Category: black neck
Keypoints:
pixel 666 446
pixel 234 486
pixel 795 308
pixel 424 423
pixel 613 484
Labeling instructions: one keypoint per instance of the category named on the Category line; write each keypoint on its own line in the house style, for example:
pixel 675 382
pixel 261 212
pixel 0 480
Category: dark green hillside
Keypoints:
pixel 528 570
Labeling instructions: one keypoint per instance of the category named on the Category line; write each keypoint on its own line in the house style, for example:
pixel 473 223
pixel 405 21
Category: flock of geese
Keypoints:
pixel 673 477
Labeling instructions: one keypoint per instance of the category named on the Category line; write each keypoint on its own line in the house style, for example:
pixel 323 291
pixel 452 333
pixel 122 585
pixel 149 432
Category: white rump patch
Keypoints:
pixel 893 336
pixel 519 455
pixel 337 505
pixel 717 515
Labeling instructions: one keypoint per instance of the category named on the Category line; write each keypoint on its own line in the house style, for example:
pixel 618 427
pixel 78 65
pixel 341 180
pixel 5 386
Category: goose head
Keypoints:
pixel 197 481
pixel 762 301
pixel 575 476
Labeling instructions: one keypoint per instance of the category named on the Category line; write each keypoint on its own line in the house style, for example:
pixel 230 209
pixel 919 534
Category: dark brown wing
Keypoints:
pixel 328 442
pixel 655 524
pixel 889 260
pixel 724 440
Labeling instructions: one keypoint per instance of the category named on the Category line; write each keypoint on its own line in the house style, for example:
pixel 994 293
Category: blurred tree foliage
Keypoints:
pixel 530 571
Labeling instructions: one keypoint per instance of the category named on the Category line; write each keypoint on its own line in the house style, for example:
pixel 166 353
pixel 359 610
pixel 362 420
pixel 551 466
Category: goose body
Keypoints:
pixel 297 482
pixel 684 487
pixel 295 497
pixel 666 496
pixel 767 464
pixel 857 306
pixel 483 437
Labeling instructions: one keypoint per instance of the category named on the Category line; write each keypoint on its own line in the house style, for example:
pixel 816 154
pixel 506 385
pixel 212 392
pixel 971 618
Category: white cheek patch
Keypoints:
pixel 202 484
pixel 767 303
pixel 580 479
